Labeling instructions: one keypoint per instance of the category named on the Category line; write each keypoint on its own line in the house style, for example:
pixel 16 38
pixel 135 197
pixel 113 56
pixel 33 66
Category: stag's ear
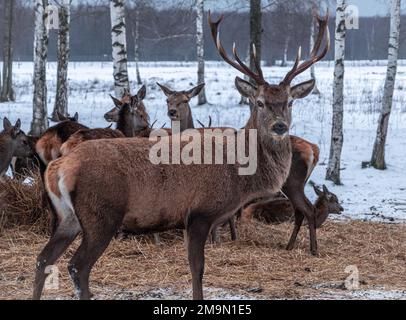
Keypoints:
pixel 142 93
pixel 302 90
pixel 16 129
pixel 325 190
pixel 166 90
pixel 76 117
pixel 194 91
pixel 245 88
pixel 6 124
pixel 317 190
pixel 117 102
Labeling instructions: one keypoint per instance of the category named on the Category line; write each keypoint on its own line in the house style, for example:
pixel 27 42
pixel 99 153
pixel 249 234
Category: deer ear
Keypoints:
pixel 6 124
pixel 302 90
pixel 245 88
pixel 142 93
pixel 166 90
pixel 317 190
pixel 76 117
pixel 117 102
pixel 16 129
pixel 194 91
pixel 325 190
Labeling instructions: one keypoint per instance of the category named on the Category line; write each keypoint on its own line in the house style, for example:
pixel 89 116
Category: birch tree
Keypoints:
pixel 200 49
pixel 40 122
pixel 337 139
pixel 7 92
pixel 61 99
pixel 378 153
pixel 136 36
pixel 312 68
pixel 119 46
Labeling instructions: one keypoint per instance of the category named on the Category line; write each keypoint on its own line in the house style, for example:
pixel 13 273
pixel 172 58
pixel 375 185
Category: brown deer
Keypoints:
pixel 22 167
pixel 281 210
pixel 179 110
pixel 200 197
pixel 49 144
pixel 13 143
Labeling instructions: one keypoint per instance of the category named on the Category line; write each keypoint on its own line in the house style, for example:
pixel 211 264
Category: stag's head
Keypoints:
pixel 329 199
pixel 112 115
pixel 15 140
pixel 178 101
pixel 272 103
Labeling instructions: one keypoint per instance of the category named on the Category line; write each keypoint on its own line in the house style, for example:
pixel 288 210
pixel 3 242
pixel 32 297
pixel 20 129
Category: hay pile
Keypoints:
pixel 257 264
pixel 21 204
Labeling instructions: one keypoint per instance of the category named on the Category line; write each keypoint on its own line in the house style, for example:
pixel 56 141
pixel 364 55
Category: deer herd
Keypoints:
pixel 100 181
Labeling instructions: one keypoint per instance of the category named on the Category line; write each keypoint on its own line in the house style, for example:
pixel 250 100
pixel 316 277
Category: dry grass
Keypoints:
pixel 256 260
pixel 21 205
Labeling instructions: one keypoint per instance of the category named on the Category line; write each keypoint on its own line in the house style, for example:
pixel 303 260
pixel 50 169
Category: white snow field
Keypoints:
pixel 366 193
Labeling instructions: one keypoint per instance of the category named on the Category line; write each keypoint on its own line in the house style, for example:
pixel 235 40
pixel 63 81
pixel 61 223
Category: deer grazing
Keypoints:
pixel 280 210
pixel 13 143
pixel 142 196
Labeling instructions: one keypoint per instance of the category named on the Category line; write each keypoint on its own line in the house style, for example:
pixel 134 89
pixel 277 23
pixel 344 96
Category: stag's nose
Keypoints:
pixel 280 128
pixel 172 112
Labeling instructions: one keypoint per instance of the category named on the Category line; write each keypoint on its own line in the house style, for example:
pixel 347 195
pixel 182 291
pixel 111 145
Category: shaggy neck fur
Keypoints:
pixel 187 123
pixel 274 160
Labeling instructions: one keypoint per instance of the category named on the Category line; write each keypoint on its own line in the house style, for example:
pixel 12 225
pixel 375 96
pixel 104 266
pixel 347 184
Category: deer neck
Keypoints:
pixel 273 161
pixel 6 154
pixel 321 211
pixel 187 122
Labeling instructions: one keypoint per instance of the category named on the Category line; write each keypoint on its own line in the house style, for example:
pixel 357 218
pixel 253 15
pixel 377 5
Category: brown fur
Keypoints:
pixel 88 134
pixel 49 145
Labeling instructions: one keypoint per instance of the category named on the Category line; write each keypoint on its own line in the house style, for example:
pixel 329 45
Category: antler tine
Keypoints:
pixel 298 69
pixel 294 68
pixel 257 62
pixel 239 65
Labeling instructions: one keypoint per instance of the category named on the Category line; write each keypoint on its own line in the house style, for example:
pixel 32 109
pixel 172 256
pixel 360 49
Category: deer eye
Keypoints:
pixel 260 104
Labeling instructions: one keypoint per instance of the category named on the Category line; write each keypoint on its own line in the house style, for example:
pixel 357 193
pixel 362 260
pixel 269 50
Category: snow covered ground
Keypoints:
pixel 366 193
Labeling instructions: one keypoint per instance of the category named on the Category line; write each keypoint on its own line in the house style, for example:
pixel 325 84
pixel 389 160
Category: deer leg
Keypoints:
pixel 214 235
pixel 63 236
pixel 197 232
pixel 298 223
pixel 85 257
pixel 233 231
pixel 313 238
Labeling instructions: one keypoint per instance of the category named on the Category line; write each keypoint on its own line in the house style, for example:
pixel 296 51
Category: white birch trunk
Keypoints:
pixel 378 154
pixel 200 49
pixel 119 46
pixel 312 68
pixel 333 170
pixel 40 121
pixel 7 92
pixel 136 36
pixel 61 99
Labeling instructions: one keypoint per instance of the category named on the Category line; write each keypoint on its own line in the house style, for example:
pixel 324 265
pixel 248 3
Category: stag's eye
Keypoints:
pixel 260 104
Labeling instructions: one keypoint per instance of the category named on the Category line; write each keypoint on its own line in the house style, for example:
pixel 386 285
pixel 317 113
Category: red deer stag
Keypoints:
pixel 13 143
pixel 140 196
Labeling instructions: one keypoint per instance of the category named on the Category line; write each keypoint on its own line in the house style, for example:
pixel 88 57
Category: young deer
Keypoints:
pixel 13 143
pixel 200 197
pixel 21 167
pixel 179 110
pixel 281 210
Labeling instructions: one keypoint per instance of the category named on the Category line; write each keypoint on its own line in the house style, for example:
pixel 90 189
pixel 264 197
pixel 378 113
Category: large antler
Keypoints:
pixel 238 64
pixel 298 69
